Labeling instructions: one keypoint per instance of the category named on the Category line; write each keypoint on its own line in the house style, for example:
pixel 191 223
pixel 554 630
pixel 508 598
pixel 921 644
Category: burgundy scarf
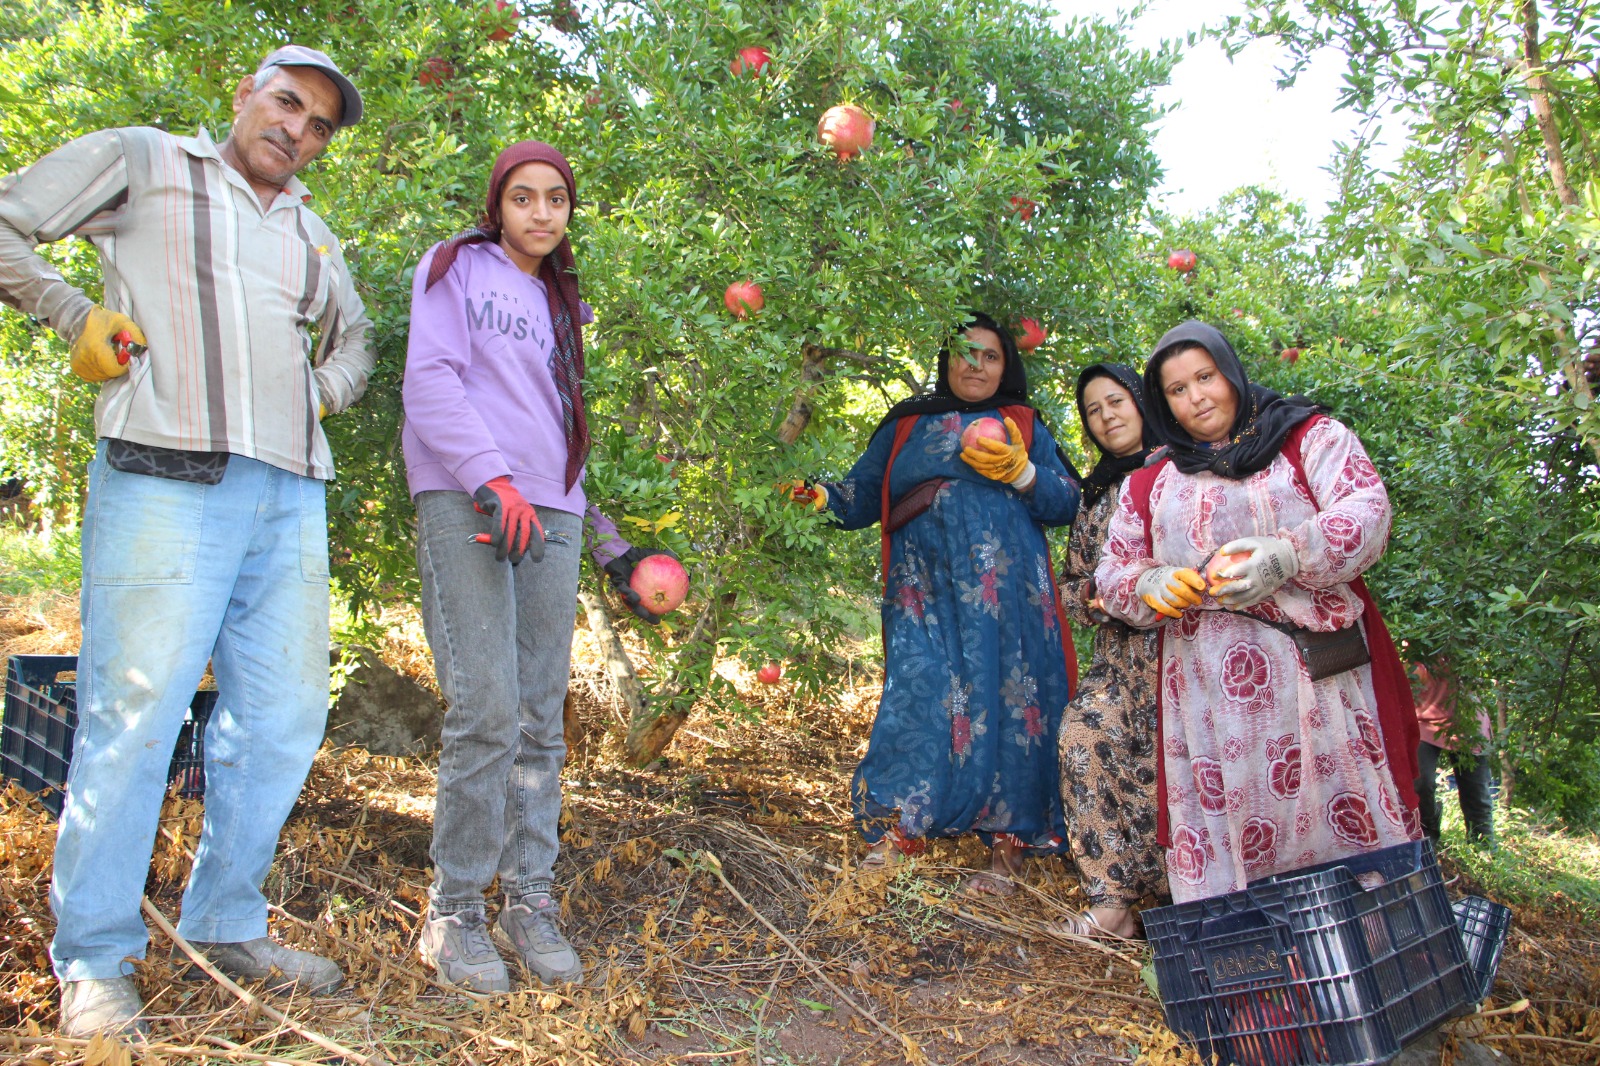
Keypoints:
pixel 560 285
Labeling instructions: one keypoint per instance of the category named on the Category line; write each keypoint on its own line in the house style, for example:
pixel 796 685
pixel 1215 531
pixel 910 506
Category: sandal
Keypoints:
pixel 1085 925
pixel 990 883
pixel 1005 863
pixel 882 856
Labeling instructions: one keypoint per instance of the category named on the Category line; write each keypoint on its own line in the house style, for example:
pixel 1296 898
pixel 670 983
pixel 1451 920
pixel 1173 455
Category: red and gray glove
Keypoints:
pixel 620 572
pixel 517 531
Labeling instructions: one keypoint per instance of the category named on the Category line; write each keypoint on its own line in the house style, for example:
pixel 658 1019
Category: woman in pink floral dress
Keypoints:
pixel 1263 770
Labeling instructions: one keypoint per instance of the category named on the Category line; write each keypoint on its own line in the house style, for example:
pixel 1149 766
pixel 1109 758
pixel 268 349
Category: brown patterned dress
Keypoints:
pixel 1108 739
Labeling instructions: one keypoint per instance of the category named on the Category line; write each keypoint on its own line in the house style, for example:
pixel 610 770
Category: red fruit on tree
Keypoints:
pixel 1238 312
pixel 503 18
pixel 743 298
pixel 984 429
pixel 769 674
pixel 436 71
pixel 564 16
pixel 1023 207
pixel 1030 334
pixel 847 129
pixel 751 59
pixel 1182 260
pixel 593 98
pixel 1290 355
pixel 661 582
pixel 957 106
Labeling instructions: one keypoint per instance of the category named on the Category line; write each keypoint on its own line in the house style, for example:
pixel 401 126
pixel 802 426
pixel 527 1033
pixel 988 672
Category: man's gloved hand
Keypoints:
pixel 108 342
pixel 517 531
pixel 620 572
pixel 1170 590
pixel 812 495
pixel 1271 564
pixel 1002 462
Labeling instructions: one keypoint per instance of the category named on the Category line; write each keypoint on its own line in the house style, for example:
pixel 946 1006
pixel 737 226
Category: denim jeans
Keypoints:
pixel 501 638
pixel 176 574
pixel 1472 788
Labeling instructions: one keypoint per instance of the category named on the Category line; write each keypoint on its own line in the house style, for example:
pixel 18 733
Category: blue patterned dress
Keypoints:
pixel 974 677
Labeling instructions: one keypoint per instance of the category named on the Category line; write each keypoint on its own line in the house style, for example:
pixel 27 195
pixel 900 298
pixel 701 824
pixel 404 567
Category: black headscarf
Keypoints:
pixel 1013 380
pixel 1111 469
pixel 1264 419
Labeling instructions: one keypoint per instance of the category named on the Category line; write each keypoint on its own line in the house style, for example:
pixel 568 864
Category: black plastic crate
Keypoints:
pixel 41 716
pixel 1484 927
pixel 1312 967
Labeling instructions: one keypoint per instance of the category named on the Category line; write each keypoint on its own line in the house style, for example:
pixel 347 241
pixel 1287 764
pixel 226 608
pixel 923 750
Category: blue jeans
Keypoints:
pixel 501 638
pixel 176 574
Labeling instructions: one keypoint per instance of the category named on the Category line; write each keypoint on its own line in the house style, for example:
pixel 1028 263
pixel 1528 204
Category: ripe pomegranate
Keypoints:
pixel 661 582
pixel 984 429
pixel 1182 260
pixel 957 106
pixel 769 674
pixel 752 59
pixel 436 71
pixel 847 129
pixel 1290 355
pixel 1030 334
pixel 593 98
pixel 1023 208
pixel 1220 562
pixel 743 298
pixel 503 18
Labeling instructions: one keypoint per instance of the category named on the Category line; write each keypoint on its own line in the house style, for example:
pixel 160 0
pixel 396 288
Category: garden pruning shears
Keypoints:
pixel 127 347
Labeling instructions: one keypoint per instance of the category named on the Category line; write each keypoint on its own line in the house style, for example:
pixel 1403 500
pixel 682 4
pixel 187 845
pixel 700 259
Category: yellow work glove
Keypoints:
pixel 1169 590
pixel 804 492
pixel 107 344
pixel 1001 462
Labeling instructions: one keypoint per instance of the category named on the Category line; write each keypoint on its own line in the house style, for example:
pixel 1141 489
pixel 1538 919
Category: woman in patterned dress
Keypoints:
pixel 1264 771
pixel 1108 735
pixel 975 674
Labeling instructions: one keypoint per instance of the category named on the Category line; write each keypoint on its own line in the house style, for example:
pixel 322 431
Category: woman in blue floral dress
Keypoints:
pixel 976 674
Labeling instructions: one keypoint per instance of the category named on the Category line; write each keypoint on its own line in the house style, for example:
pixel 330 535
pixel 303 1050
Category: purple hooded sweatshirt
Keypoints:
pixel 480 398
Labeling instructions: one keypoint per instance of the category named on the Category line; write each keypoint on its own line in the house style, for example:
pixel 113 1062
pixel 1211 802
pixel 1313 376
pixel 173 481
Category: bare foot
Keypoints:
pixel 1005 863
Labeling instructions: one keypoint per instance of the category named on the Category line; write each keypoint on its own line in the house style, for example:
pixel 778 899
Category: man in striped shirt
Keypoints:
pixel 228 327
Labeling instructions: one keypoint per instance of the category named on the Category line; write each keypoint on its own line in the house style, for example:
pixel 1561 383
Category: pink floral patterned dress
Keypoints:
pixel 1265 770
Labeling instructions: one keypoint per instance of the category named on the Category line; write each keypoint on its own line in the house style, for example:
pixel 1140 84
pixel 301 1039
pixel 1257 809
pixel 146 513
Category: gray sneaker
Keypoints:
pixel 459 948
pixel 108 1005
pixel 264 959
pixel 531 929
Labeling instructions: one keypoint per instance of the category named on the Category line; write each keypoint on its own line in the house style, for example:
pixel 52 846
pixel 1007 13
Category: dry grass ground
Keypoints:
pixel 715 901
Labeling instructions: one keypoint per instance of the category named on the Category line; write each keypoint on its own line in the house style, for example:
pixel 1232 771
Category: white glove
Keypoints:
pixel 1272 563
pixel 1167 590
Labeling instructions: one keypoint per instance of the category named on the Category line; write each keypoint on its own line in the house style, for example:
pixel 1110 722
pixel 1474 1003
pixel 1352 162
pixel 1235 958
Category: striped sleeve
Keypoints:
pixel 45 202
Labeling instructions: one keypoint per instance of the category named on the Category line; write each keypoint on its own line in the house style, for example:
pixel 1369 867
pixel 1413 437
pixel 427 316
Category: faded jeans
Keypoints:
pixel 176 574
pixel 501 638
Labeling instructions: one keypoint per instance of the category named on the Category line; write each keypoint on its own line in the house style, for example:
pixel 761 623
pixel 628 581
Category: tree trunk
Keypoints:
pixel 1507 773
pixel 800 411
pixel 618 665
pixel 651 732
pixel 1539 97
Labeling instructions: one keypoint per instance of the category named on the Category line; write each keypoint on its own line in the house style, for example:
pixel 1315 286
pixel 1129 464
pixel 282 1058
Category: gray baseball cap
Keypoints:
pixel 298 55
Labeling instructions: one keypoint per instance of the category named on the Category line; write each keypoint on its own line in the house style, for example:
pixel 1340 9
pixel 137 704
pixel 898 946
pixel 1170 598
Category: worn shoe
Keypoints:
pixel 264 959
pixel 109 1005
pixel 459 948
pixel 531 929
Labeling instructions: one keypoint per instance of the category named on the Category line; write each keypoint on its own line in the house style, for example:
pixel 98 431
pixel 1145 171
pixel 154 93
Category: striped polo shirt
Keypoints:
pixel 251 314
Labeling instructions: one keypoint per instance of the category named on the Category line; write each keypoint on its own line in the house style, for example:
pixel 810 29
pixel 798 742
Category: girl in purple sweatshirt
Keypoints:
pixel 495 441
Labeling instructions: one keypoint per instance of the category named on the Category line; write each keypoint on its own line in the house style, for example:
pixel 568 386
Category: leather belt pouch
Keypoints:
pixel 913 503
pixel 1327 654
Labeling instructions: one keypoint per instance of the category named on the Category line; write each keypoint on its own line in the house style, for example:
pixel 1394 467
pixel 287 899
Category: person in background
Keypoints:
pixel 1108 735
pixel 1437 720
pixel 1253 533
pixel 496 438
pixel 230 326
pixel 977 659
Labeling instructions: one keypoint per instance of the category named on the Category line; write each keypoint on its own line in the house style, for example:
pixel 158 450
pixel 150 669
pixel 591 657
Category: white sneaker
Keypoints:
pixel 459 948
pixel 531 928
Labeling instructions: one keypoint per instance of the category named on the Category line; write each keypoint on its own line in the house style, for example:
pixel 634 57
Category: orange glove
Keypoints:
pixel 108 342
pixel 798 491
pixel 1002 462
pixel 1170 590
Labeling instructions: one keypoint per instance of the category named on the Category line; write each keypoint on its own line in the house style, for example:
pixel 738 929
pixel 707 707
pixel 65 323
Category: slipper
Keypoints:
pixel 990 883
pixel 1083 924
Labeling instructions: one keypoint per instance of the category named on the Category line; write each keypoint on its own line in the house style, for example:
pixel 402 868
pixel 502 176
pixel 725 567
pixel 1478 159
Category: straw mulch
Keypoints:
pixel 715 901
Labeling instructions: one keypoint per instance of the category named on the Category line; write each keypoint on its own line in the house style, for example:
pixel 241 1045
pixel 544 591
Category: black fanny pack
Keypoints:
pixel 1324 654
pixel 174 464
